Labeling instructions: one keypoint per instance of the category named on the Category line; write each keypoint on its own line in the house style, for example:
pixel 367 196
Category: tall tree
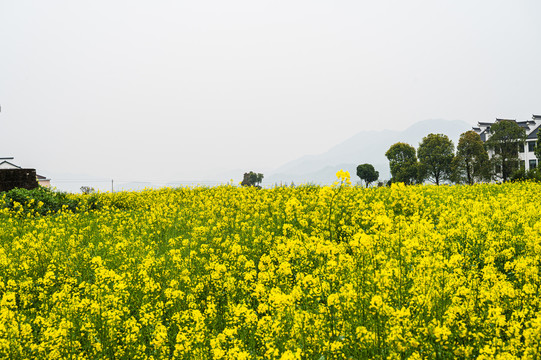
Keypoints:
pixel 252 179
pixel 471 163
pixel 537 149
pixel 403 163
pixel 367 173
pixel 436 153
pixel 505 138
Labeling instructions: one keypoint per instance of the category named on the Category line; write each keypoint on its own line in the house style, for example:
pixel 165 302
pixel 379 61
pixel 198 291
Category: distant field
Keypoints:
pixel 420 272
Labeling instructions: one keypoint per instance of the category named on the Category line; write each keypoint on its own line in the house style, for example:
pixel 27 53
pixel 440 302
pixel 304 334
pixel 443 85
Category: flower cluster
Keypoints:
pixel 343 177
pixel 302 272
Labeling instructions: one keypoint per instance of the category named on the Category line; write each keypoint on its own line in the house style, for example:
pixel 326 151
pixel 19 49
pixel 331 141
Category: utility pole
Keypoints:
pixel 112 188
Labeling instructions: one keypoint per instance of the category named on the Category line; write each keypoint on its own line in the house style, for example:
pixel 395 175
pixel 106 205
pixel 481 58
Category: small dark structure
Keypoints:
pixel 18 178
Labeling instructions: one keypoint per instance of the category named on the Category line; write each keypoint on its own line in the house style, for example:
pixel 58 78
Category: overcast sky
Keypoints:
pixel 170 90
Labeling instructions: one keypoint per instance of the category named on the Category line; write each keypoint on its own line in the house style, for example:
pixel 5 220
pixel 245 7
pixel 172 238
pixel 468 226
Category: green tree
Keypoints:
pixel 537 149
pixel 436 153
pixel 521 175
pixel 471 163
pixel 367 173
pixel 403 163
pixel 505 138
pixel 252 179
pixel 87 190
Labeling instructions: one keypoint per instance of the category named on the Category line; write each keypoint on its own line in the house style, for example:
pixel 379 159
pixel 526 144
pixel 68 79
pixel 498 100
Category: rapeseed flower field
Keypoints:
pixel 308 272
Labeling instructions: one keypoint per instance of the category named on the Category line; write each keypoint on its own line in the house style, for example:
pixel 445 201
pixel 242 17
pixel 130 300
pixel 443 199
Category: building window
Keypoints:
pixel 520 148
pixel 533 164
pixel 531 146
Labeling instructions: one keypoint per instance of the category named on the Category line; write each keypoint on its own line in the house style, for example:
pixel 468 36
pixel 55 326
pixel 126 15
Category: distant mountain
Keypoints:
pixel 363 147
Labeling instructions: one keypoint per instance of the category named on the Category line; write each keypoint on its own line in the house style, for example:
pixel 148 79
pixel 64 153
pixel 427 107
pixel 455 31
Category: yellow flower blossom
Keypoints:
pixel 282 273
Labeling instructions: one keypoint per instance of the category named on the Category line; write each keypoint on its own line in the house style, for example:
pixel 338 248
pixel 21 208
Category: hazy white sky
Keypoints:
pixel 148 90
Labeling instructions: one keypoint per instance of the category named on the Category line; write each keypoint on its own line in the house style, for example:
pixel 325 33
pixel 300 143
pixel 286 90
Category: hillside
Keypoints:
pixel 363 147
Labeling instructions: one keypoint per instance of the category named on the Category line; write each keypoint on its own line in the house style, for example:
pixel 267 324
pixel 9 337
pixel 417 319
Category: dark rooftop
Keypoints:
pixel 533 134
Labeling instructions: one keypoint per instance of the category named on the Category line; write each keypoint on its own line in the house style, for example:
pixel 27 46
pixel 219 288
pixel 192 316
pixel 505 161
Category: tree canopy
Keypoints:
pixel 537 149
pixel 252 179
pixel 471 163
pixel 367 173
pixel 403 163
pixel 436 153
pixel 505 138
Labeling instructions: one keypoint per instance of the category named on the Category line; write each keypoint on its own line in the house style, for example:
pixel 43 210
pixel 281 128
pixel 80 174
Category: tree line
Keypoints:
pixel 435 159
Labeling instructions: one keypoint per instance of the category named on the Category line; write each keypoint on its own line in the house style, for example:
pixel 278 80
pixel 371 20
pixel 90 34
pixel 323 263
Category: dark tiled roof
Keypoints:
pixel 533 134
pixel 483 137
pixel 530 126
pixel 524 124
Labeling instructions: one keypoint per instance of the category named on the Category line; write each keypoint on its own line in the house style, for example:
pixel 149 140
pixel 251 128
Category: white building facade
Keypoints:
pixel 526 154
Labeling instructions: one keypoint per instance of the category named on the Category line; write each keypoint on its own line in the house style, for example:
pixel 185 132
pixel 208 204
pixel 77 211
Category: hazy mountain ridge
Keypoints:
pixel 363 147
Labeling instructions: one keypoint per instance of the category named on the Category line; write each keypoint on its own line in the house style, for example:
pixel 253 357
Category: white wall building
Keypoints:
pixel 525 152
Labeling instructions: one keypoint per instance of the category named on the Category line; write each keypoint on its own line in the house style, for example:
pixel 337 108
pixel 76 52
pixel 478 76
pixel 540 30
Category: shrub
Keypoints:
pixel 39 201
pixel 522 175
